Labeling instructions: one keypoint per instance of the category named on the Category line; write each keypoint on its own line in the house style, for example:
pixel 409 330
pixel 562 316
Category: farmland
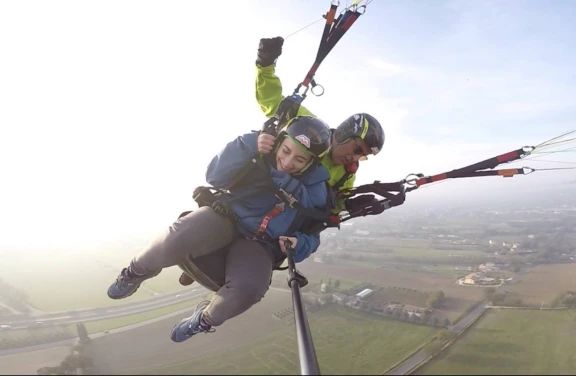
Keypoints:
pixel 347 342
pixel 522 342
pixel 544 282
pixel 353 338
pixel 457 299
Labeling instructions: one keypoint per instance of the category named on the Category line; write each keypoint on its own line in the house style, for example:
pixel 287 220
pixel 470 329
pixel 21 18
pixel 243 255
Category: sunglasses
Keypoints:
pixel 358 150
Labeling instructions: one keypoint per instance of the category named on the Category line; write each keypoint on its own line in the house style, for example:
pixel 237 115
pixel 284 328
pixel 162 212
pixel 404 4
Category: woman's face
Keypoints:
pixel 290 158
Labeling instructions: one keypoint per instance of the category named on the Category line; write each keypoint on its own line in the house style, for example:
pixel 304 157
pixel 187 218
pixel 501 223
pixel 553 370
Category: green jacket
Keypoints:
pixel 269 95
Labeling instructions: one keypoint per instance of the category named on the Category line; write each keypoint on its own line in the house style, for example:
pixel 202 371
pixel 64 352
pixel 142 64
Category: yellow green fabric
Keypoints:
pixel 269 96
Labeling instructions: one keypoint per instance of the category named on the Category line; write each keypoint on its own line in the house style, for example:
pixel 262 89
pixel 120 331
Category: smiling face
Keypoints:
pixel 290 158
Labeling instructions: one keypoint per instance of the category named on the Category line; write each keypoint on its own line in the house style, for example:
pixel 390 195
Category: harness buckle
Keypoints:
pixel 288 198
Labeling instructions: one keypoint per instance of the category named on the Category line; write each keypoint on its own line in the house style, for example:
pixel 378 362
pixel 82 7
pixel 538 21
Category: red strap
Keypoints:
pixel 279 208
pixel 352 167
pixel 334 219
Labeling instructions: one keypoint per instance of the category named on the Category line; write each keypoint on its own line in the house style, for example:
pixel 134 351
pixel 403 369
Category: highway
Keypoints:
pixel 70 317
pixel 70 341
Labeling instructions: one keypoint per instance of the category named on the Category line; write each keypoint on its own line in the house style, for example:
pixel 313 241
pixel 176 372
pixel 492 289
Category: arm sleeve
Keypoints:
pixel 305 246
pixel 269 91
pixel 236 155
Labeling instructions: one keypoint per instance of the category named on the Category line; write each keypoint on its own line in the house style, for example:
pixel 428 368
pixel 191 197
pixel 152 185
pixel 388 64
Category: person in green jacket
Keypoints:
pixel 358 136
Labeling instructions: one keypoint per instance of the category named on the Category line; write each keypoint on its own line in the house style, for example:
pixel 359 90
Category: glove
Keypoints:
pixel 357 204
pixel 269 50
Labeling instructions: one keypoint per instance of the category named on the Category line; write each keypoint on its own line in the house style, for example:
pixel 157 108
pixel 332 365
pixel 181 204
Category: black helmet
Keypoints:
pixel 363 126
pixel 311 133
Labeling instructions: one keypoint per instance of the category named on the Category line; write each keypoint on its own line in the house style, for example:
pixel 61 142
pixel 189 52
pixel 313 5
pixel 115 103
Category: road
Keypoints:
pixel 417 358
pixel 70 317
pixel 121 311
pixel 70 341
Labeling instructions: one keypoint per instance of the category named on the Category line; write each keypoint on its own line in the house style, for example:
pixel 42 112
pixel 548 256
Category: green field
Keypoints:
pixel 400 294
pixel 509 341
pixel 544 282
pixel 347 341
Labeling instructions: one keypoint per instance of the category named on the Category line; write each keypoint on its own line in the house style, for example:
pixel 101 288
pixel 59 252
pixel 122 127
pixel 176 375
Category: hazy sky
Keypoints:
pixel 110 111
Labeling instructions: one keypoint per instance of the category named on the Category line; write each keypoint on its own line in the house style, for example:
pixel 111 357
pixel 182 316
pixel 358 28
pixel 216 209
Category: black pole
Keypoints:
pixel 306 351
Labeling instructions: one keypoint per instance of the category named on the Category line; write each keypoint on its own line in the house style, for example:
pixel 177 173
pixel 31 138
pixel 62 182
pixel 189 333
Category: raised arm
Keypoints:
pixel 268 85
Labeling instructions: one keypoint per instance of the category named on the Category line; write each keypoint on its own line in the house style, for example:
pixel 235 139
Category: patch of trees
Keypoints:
pixel 565 299
pixel 78 362
pixel 499 299
pixel 331 286
pixel 425 318
pixel 435 299
pixel 552 246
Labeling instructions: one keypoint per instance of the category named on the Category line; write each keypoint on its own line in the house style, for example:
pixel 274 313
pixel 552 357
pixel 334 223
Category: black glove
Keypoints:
pixel 357 204
pixel 269 50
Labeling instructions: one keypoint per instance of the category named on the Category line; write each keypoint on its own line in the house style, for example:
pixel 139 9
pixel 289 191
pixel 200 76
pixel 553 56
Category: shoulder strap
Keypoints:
pixel 351 169
pixel 287 109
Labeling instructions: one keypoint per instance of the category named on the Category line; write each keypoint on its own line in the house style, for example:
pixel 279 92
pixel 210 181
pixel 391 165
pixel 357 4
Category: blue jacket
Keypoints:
pixel 251 201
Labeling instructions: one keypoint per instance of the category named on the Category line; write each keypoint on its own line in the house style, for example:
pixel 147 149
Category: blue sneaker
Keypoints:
pixel 191 325
pixel 127 283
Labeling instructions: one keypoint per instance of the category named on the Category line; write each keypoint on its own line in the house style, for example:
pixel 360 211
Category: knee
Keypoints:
pixel 249 293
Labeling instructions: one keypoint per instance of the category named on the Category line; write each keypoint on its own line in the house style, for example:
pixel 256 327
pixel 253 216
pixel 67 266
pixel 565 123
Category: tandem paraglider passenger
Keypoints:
pixel 258 210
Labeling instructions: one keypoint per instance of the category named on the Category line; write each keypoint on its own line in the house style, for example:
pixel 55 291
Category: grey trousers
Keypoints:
pixel 211 244
pixel 197 234
pixel 246 270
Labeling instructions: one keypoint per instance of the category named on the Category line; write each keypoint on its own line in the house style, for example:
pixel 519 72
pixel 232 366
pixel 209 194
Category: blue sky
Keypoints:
pixel 470 68
pixel 452 81
pixel 115 108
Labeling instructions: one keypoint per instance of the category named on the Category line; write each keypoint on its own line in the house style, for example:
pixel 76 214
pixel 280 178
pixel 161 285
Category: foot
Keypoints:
pixel 185 280
pixel 191 325
pixel 126 284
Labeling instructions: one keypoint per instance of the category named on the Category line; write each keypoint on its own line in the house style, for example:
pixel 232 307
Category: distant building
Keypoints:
pixel 489 267
pixel 364 293
pixel 485 281
pixel 471 279
pixel 478 279
pixel 339 298
pixel 323 287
